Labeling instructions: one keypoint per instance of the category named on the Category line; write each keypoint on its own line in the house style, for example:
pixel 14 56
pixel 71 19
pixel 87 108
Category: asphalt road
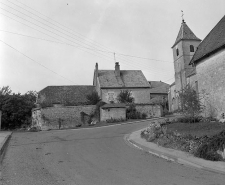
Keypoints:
pixel 97 156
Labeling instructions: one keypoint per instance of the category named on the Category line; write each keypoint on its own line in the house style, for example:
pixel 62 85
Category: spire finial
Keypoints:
pixel 182 15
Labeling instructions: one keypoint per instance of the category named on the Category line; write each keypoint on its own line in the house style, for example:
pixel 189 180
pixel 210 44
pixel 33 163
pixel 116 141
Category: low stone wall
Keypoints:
pixel 113 113
pixel 150 110
pixel 63 117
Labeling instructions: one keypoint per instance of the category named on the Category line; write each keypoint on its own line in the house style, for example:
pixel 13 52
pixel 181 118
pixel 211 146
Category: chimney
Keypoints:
pixel 117 69
pixel 95 74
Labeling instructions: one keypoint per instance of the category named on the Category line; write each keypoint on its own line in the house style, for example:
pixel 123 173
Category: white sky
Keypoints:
pixel 145 28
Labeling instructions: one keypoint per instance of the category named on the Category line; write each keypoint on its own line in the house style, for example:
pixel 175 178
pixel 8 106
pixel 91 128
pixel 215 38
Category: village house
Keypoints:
pixel 209 61
pixel 159 93
pixel 109 84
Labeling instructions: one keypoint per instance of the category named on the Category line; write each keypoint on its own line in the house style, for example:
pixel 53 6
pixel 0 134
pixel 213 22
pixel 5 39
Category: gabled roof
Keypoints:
pixel 127 78
pixel 67 95
pixel 185 33
pixel 159 87
pixel 214 41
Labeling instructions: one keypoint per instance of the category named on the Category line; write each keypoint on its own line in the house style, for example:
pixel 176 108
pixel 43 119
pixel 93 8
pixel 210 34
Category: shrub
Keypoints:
pixel 189 119
pixel 191 105
pixel 16 108
pixel 114 120
pixel 125 96
pixel 208 150
pixel 132 113
pixel 143 115
pixel 93 98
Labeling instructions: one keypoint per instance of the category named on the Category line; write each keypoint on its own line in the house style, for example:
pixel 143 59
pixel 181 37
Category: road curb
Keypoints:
pixel 176 159
pixel 4 146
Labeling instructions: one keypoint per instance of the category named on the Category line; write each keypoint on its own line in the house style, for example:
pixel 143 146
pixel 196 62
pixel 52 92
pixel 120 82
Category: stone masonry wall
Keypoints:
pixel 211 79
pixel 150 110
pixel 69 116
pixel 114 113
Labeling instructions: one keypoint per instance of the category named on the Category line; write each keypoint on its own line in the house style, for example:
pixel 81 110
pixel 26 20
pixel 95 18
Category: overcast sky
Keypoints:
pixel 58 42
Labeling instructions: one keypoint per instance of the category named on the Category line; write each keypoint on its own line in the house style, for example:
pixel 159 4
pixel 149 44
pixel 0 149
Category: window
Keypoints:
pixel 177 50
pixel 110 96
pixel 192 48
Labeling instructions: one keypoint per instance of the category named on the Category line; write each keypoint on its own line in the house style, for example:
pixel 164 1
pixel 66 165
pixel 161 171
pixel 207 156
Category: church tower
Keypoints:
pixel 183 50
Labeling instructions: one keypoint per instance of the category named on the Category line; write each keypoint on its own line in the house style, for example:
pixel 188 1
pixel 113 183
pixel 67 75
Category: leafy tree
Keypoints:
pixel 5 90
pixel 16 109
pixel 125 96
pixel 191 105
pixel 93 98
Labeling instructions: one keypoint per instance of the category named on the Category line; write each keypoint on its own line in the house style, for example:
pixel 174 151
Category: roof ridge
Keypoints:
pixel 214 40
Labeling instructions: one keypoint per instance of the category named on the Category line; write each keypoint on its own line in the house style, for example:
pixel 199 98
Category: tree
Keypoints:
pixel 16 109
pixel 125 96
pixel 5 90
pixel 93 98
pixel 191 105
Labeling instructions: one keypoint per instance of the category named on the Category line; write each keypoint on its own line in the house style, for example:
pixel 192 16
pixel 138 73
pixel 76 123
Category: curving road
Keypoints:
pixel 97 156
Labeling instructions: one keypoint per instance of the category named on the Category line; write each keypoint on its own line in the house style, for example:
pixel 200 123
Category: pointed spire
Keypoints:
pixel 185 33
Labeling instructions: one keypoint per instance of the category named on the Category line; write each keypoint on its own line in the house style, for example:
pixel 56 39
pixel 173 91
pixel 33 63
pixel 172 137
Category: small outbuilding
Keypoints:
pixel 115 111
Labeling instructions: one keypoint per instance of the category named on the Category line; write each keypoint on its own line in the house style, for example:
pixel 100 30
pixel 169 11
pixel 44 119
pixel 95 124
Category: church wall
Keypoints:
pixel 211 79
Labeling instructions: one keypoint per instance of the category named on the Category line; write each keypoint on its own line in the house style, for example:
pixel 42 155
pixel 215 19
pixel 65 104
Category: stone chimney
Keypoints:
pixel 117 69
pixel 95 74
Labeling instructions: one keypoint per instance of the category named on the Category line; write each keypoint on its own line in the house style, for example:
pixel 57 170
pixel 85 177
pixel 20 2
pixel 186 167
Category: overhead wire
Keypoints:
pixel 99 45
pixel 51 35
pixel 36 61
pixel 42 64
pixel 123 61
pixel 63 44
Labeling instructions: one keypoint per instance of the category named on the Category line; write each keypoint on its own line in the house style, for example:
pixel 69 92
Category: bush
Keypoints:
pixel 16 108
pixel 132 113
pixel 208 150
pixel 189 119
pixel 143 115
pixel 191 105
pixel 125 96
pixel 93 98
pixel 115 120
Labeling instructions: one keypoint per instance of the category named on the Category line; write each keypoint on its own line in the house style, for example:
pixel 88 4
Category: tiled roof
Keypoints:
pixel 212 42
pixel 128 78
pixel 67 95
pixel 114 105
pixel 159 87
pixel 185 33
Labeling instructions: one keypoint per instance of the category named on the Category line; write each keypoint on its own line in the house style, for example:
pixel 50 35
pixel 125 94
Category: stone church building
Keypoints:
pixel 183 50
pixel 202 65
